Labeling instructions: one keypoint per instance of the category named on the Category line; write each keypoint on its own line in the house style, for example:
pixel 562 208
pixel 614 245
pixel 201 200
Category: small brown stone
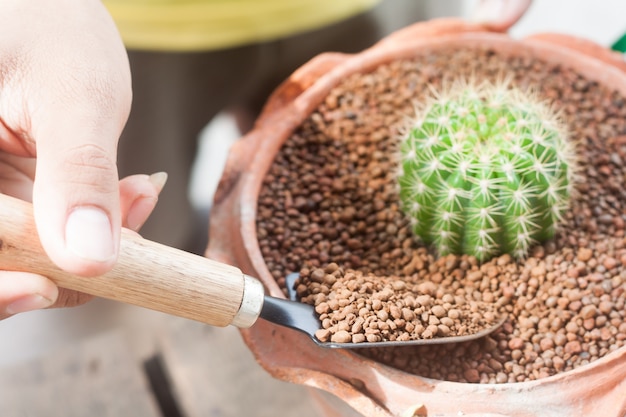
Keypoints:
pixel 341 336
pixel 323 335
pixel 573 347
pixel 439 311
pixel 516 343
pixel 584 254
pixel 588 311
pixel 609 263
pixel 472 375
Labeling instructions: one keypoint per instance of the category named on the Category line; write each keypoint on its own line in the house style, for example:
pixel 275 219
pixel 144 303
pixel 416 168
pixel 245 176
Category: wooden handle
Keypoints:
pixel 147 274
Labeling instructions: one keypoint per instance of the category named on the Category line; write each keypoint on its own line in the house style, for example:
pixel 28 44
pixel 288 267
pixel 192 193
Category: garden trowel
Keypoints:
pixel 161 278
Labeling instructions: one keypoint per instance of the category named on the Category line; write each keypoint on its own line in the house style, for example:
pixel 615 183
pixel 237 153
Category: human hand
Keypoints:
pixel 499 15
pixel 65 95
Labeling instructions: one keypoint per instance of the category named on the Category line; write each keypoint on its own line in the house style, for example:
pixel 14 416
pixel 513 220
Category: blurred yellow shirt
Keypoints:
pixel 187 25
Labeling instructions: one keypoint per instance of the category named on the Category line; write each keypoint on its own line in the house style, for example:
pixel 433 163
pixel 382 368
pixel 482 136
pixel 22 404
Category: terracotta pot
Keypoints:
pixel 369 387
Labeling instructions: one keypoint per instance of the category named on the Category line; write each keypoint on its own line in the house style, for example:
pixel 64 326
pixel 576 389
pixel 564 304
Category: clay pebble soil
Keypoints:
pixel 328 208
pixel 365 308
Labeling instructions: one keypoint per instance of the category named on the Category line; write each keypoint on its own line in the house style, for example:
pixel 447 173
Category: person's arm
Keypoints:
pixel 65 95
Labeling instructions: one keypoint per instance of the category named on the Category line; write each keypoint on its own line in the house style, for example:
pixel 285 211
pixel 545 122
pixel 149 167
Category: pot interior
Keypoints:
pixel 330 196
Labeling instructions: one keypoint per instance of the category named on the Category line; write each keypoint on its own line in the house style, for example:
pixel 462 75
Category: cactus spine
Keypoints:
pixel 485 169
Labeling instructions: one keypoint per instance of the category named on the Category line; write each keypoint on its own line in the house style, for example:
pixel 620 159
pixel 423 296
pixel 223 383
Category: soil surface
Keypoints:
pixel 329 208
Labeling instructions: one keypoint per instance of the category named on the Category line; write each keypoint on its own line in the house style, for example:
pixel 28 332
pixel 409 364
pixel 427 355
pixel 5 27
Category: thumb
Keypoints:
pixel 76 198
pixel 68 91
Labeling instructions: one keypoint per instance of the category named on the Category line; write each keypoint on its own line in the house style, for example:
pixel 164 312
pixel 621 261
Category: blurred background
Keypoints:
pixel 32 336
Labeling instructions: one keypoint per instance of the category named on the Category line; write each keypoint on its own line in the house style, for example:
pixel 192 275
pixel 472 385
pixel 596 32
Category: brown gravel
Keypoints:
pixel 329 198
pixel 357 308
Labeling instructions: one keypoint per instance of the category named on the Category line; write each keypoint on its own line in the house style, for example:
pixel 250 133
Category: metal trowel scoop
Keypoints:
pixel 161 278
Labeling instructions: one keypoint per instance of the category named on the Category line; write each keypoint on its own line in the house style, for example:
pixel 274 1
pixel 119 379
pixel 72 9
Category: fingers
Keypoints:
pixel 21 292
pixel 69 298
pixel 500 14
pixel 65 96
pixel 139 195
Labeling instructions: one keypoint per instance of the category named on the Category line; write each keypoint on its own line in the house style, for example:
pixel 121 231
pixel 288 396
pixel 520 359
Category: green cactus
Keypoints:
pixel 485 169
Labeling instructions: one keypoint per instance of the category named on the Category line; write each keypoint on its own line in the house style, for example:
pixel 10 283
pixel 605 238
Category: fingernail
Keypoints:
pixel 88 234
pixel 158 179
pixel 28 303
